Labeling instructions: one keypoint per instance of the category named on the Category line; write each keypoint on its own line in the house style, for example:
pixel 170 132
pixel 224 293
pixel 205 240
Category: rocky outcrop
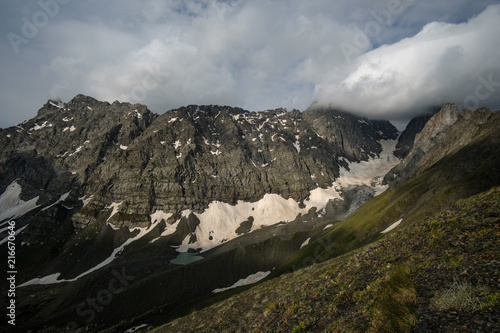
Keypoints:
pixel 407 137
pixel 57 153
pixel 436 127
pixel 444 134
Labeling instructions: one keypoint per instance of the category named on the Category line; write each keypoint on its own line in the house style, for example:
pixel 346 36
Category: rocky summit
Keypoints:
pixel 181 207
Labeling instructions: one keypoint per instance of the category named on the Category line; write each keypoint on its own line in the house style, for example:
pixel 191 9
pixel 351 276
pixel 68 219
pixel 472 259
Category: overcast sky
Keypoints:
pixel 382 58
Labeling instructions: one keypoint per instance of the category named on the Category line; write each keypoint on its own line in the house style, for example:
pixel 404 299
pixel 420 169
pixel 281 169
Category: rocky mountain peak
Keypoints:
pixel 445 132
pixel 50 106
pixel 415 126
pixel 80 98
pixel 437 124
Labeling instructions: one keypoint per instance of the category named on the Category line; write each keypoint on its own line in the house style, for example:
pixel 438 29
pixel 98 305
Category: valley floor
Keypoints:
pixel 438 275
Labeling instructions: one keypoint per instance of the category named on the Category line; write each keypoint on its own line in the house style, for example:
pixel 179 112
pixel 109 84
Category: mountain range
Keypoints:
pixel 126 219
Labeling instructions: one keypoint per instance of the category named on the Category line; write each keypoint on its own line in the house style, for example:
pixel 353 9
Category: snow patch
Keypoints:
pixel 49 279
pixel 158 216
pixel 219 222
pixel 61 199
pixel 122 147
pixel 394 225
pixel 78 149
pixel 253 278
pixel 297 144
pixel 59 105
pixel 306 242
pixel 11 205
pixel 134 329
pixel 39 127
pixel 115 206
pixel 85 200
pixel 371 172
pixel 18 231
pixel 71 129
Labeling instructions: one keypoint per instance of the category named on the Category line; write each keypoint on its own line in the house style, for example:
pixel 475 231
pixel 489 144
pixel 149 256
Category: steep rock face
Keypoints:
pixel 407 137
pixel 73 139
pixel 196 155
pixel 444 134
pixel 352 137
pixel 56 153
pixel 435 127
pixel 119 166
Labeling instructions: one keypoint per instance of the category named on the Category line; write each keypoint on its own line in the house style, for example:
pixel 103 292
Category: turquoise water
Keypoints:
pixel 185 258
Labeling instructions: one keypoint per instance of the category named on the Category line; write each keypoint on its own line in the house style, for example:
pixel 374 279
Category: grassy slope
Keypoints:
pixel 438 274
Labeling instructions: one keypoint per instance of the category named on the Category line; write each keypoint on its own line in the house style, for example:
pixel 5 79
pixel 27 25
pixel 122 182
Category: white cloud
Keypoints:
pixel 443 62
pixel 255 54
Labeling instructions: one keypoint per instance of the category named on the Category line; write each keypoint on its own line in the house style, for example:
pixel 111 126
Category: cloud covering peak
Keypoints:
pixel 443 62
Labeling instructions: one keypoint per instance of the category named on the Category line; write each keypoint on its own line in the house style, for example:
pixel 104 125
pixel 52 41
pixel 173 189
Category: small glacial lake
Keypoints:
pixel 185 258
